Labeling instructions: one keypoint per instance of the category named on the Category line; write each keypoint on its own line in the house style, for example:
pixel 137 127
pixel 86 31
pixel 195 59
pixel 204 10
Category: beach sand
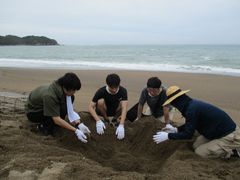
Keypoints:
pixel 27 154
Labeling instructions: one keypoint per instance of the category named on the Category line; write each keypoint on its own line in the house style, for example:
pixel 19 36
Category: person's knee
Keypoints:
pixel 101 106
pixel 195 145
pixel 210 151
pixel 101 103
pixel 203 152
pixel 148 112
pixel 199 141
pixel 172 113
pixel 161 119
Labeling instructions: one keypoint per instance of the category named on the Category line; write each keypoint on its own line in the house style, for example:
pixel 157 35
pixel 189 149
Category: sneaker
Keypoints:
pixel 113 122
pixel 43 129
pixel 236 153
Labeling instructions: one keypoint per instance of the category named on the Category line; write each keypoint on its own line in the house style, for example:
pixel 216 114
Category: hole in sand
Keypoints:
pixel 137 152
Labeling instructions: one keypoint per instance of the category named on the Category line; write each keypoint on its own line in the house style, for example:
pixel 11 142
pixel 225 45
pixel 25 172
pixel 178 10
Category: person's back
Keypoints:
pixel 49 99
pixel 211 121
pixel 35 99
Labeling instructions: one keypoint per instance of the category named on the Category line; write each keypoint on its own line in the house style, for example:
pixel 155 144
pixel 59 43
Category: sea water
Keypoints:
pixel 213 59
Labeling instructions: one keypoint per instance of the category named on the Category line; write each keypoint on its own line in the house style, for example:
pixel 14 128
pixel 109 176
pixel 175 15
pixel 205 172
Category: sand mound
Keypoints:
pixel 137 152
pixel 29 155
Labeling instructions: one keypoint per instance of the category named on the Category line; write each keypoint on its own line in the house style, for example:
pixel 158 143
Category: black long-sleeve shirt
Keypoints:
pixel 208 120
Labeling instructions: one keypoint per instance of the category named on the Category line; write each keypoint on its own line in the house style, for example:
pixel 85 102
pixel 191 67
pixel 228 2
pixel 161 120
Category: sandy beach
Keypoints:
pixel 27 154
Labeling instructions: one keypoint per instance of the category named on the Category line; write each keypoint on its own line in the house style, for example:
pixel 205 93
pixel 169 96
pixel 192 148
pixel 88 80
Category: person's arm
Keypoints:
pixel 99 124
pixel 59 121
pixel 166 114
pixel 91 109
pixel 188 129
pixel 141 102
pixel 124 111
pixel 140 110
pixel 79 133
pixel 73 117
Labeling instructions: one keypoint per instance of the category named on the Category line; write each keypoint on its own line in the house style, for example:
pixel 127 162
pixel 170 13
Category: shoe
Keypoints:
pixel 236 153
pixel 114 123
pixel 43 129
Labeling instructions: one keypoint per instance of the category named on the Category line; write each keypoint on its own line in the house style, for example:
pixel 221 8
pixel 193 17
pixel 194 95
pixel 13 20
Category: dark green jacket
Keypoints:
pixel 50 99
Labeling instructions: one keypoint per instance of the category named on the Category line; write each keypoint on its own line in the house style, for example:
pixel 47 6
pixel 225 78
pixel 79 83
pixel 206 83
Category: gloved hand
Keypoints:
pixel 84 128
pixel 100 126
pixel 81 136
pixel 169 129
pixel 160 137
pixel 120 132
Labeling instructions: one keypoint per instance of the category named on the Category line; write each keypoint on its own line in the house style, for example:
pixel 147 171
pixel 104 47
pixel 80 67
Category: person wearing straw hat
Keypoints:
pixel 49 104
pixel 154 95
pixel 219 135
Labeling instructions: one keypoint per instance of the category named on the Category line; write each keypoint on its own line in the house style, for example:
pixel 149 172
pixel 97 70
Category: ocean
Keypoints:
pixel 211 59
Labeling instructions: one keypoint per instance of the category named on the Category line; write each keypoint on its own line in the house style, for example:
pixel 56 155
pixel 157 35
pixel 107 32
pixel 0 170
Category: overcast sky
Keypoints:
pixel 94 22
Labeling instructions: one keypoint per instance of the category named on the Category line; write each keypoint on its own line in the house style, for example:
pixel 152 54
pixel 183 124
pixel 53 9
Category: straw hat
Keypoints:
pixel 172 93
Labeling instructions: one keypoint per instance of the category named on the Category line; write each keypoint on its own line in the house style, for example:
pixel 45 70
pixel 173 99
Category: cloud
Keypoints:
pixel 111 21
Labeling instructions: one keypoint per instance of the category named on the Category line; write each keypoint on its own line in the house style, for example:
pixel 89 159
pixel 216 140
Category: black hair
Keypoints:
pixel 113 80
pixel 70 81
pixel 154 82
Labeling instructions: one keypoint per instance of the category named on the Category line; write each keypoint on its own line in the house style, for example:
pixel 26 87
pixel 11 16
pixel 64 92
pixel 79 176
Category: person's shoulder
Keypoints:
pixel 121 88
pixel 163 92
pixel 199 103
pixel 144 89
pixel 144 92
pixel 102 89
pixel 164 88
pixel 55 89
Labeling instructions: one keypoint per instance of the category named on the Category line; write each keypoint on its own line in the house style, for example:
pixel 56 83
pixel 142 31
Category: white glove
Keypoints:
pixel 72 115
pixel 169 129
pixel 120 132
pixel 100 127
pixel 160 137
pixel 81 136
pixel 84 128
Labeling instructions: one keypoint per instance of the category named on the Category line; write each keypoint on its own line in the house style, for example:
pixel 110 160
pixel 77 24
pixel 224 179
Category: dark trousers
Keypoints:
pixel 45 123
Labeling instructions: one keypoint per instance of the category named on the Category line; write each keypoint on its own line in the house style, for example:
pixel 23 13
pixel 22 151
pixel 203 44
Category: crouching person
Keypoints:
pixel 154 95
pixel 110 101
pixel 48 106
pixel 219 135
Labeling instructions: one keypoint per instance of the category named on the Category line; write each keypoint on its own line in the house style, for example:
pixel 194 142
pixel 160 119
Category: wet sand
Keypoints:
pixel 27 154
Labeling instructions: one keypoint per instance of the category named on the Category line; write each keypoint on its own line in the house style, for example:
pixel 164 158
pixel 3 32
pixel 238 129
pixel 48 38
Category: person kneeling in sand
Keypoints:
pixel 219 135
pixel 48 105
pixel 110 100
pixel 155 95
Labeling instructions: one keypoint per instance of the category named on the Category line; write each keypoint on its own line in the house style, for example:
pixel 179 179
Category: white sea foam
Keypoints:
pixel 78 64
